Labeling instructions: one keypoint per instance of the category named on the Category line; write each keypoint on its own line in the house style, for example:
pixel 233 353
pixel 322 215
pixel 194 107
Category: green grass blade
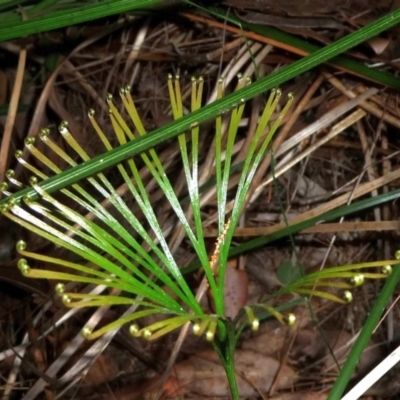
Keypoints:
pixel 344 62
pixel 365 335
pixel 62 18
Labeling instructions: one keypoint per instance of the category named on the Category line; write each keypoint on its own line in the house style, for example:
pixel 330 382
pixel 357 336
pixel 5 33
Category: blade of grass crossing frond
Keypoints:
pixel 212 110
pixel 76 15
pixel 365 335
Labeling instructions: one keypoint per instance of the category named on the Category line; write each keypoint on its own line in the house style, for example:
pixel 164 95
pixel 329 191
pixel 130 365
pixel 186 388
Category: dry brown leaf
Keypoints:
pixel 310 346
pixel 204 375
pixel 270 341
pixel 235 291
pixel 378 44
pixel 341 342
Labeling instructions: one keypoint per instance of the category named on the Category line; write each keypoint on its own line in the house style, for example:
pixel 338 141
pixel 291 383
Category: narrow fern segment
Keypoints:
pixel 191 170
pixel 257 150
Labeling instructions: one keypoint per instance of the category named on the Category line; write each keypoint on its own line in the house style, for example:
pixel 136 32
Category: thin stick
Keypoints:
pixel 12 113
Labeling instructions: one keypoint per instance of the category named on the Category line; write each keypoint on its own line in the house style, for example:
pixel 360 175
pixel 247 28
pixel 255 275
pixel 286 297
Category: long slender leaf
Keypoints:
pixel 365 335
pixel 343 61
pixel 62 18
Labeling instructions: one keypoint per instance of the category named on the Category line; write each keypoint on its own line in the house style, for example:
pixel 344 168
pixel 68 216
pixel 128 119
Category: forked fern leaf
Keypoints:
pixel 128 256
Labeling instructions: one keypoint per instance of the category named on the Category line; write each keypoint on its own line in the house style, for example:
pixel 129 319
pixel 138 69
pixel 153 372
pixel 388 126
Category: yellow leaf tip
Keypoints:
pixel 210 335
pixel 147 334
pixel 66 299
pixel 18 154
pixel 86 332
pixel 196 329
pixel 255 325
pixel 60 288
pixel 347 296
pixel 387 269
pixel 33 180
pixel 23 266
pixel 44 132
pixel 357 280
pixel 290 319
pixel 21 245
pixel 63 127
pixel 134 330
pixel 29 141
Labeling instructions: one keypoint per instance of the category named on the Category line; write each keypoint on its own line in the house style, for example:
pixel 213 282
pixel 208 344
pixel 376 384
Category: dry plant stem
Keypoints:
pixel 12 112
pixel 285 165
pixel 283 360
pixel 70 69
pixel 248 34
pixel 57 106
pixel 41 103
pixel 324 121
pixel 371 173
pixel 5 147
pixel 67 353
pixel 90 356
pixel 332 241
pixel 133 54
pixel 256 62
pixel 236 64
pixel 367 106
pixel 279 139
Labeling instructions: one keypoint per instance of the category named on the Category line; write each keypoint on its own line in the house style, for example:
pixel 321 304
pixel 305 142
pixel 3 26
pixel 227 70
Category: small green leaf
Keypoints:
pixel 288 273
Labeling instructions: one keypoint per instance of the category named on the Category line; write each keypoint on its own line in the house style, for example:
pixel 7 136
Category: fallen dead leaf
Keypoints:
pixel 204 375
pixel 270 341
pixel 235 291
